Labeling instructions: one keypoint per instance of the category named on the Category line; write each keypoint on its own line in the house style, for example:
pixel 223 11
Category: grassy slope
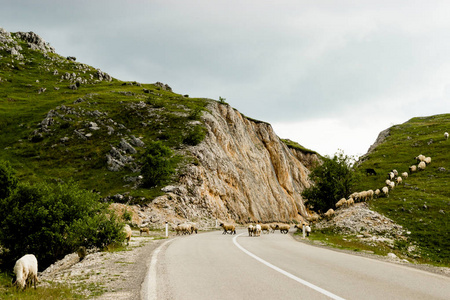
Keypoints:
pixel 22 108
pixel 422 204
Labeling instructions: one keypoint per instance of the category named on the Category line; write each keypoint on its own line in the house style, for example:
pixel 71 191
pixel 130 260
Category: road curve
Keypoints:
pixel 275 266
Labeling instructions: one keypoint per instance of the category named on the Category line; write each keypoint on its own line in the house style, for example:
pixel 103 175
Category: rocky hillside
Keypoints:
pixel 63 120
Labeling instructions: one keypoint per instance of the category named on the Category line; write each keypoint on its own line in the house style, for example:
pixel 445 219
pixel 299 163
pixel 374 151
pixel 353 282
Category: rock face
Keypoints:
pixel 244 173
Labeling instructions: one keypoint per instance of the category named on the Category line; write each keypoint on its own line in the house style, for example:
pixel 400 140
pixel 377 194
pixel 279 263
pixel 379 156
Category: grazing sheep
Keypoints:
pixel 128 232
pixel 350 202
pixel 422 165
pixel 329 214
pixel 313 218
pixel 144 229
pixel 399 180
pixel 427 160
pixel 420 158
pixel 273 226
pixel 412 168
pixel 446 135
pixel 370 194
pixel 392 185
pixel 391 175
pixel 388 182
pixel 26 269
pixel 228 227
pixel 405 175
pixel 341 202
pixel 385 191
pixel 377 192
pixel 284 228
pixel 395 172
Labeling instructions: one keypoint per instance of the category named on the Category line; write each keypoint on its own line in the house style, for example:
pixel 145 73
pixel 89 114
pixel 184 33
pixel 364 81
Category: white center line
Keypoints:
pixel 299 280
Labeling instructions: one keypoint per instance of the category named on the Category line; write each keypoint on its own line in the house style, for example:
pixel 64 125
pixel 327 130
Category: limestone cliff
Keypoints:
pixel 244 173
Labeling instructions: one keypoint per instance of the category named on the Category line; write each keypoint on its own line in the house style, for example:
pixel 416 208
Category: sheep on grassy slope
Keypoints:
pixel 412 168
pixel 405 175
pixel 128 232
pixel 377 192
pixel 385 191
pixel 228 227
pixel 446 135
pixel 427 160
pixel 422 165
pixel 420 158
pixel 391 175
pixel 399 180
pixel 284 228
pixel 26 269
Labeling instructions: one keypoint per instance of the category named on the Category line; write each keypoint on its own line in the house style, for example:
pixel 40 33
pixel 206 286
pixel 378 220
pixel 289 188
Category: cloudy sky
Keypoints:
pixel 327 74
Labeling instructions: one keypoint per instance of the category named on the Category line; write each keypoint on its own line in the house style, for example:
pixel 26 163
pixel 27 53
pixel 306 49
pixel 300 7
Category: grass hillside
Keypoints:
pixel 48 105
pixel 422 203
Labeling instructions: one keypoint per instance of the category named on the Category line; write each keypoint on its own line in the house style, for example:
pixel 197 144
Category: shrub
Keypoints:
pixel 8 180
pixel 194 137
pixel 51 221
pixel 158 164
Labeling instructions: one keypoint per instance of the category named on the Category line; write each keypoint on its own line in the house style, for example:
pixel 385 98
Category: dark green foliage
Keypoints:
pixel 197 135
pixel 333 180
pixel 51 221
pixel 8 180
pixel 158 164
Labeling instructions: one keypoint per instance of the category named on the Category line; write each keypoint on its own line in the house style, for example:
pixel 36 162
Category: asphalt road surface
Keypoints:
pixel 275 266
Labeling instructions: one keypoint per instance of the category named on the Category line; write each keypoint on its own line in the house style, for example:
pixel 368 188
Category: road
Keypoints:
pixel 276 266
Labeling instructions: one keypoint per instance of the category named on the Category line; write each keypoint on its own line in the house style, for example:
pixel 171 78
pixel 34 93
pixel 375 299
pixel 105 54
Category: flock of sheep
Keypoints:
pixel 394 179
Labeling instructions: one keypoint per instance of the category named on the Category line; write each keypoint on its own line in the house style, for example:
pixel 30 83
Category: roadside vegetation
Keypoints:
pixel 421 203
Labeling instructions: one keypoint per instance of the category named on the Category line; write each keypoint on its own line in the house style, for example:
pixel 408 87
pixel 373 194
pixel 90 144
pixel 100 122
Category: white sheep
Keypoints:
pixel 26 269
pixel 329 214
pixel 392 185
pixel 412 168
pixel 399 180
pixel 422 165
pixel 395 172
pixel 405 175
pixel 350 202
pixel 385 191
pixel 370 194
pixel 183 229
pixel 228 227
pixel 128 232
pixel 420 158
pixel 427 160
pixel 391 175
pixel 377 192
pixel 388 182
pixel 257 230
pixel 446 135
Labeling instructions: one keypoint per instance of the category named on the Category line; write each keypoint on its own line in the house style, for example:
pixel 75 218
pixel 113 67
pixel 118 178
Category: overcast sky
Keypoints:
pixel 327 74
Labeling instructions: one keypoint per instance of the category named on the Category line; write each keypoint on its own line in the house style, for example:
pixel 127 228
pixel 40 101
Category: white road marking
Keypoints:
pixel 299 280
pixel 148 287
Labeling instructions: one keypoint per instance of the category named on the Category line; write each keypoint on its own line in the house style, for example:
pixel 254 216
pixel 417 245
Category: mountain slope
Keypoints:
pixel 422 203
pixel 64 120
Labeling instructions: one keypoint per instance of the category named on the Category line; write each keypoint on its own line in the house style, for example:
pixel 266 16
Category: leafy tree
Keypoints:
pixel 158 164
pixel 51 221
pixel 333 180
pixel 8 180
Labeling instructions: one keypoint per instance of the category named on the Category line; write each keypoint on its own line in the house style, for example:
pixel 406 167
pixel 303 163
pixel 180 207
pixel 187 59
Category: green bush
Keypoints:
pixel 8 180
pixel 197 135
pixel 158 165
pixel 333 180
pixel 52 221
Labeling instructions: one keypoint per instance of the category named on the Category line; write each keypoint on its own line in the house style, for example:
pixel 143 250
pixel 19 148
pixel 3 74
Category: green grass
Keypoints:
pixel 55 291
pixel 422 203
pixel 167 116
